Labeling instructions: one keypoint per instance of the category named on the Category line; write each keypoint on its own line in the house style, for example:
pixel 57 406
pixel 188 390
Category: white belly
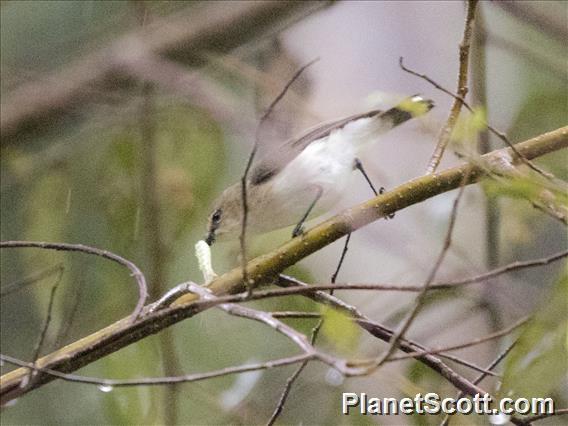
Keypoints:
pixel 324 166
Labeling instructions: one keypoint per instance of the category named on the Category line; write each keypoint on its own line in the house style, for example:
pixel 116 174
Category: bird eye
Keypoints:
pixel 216 217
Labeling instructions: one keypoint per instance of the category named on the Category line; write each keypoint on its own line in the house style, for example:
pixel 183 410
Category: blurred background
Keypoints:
pixel 122 121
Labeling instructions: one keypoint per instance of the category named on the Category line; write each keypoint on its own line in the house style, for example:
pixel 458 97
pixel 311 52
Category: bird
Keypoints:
pixel 306 175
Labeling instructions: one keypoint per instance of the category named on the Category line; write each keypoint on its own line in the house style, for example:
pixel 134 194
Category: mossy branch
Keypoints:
pixel 263 269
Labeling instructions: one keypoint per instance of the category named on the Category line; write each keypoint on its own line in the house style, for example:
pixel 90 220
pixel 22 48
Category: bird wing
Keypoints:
pixel 273 162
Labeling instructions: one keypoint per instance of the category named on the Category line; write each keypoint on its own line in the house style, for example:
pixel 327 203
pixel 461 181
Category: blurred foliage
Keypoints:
pixel 538 363
pixel 468 127
pixel 523 187
pixel 340 331
pixel 40 36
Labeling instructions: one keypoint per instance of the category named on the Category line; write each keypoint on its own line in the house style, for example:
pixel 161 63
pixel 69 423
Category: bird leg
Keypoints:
pixel 299 229
pixel 359 166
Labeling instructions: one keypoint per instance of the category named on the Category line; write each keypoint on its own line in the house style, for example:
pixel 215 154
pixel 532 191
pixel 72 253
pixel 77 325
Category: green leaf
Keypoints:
pixel 340 330
pixel 537 365
pixel 468 127
pixel 544 110
pixel 518 188
pixel 527 188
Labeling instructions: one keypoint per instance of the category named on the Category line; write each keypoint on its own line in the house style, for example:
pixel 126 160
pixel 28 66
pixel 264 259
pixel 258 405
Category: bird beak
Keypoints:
pixel 210 238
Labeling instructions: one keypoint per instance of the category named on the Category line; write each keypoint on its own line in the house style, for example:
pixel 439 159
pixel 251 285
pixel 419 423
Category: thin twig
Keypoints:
pixel 482 376
pixel 526 421
pixel 151 381
pixel 369 325
pixel 474 342
pixel 384 333
pixel 446 131
pixel 47 321
pixel 352 312
pixel 492 129
pixel 315 331
pixel 134 270
pixel 422 294
pixel 244 178
pixel 295 315
pixel 69 317
pixel 292 379
pixel 30 279
pixel 295 287
pixel 264 317
pixel 514 266
pixel 284 395
pixel 260 316
pixel 341 260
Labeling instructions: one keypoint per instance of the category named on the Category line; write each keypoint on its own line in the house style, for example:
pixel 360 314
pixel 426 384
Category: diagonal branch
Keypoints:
pixel 482 376
pixel 33 278
pixel 424 290
pixel 474 342
pixel 385 334
pixel 265 268
pixel 499 134
pixel 315 332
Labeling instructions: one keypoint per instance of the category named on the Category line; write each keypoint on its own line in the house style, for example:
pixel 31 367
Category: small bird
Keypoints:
pixel 306 175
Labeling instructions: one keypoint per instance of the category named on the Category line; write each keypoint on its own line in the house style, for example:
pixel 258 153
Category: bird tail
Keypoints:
pixel 411 107
pixel 364 129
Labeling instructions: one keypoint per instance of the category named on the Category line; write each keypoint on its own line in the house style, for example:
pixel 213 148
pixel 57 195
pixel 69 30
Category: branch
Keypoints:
pixel 266 318
pixel 31 279
pixel 526 421
pixel 265 268
pixel 315 332
pixel 393 343
pixel 500 135
pixel 446 131
pixel 385 334
pixel 474 342
pixel 482 376
pixel 134 270
pixel 47 321
pixel 182 38
pixel 297 287
pixel 151 381
pixel 365 323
